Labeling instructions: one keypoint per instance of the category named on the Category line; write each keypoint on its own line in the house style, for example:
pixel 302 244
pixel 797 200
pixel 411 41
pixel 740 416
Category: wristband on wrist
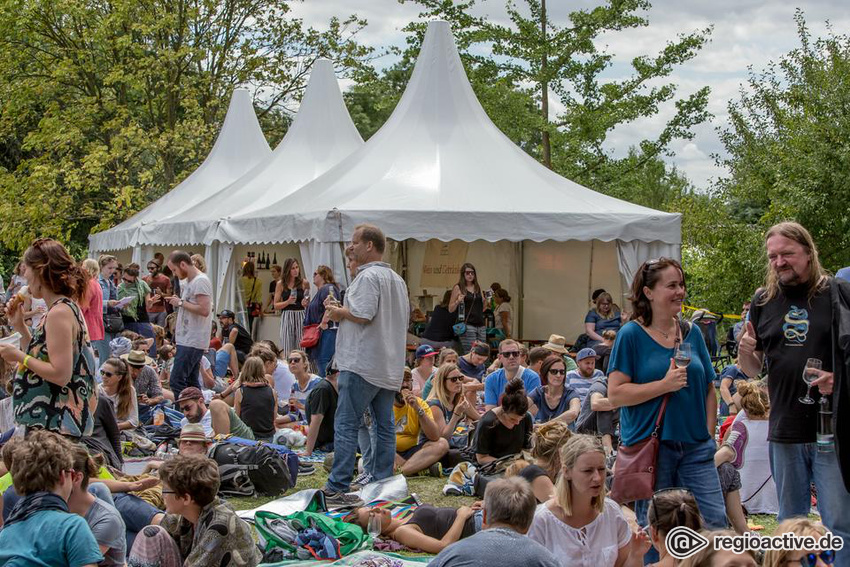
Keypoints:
pixel 26 361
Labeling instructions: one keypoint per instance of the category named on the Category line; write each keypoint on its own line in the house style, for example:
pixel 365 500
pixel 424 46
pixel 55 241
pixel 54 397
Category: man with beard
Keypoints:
pixel 194 319
pixel 161 286
pixel 218 419
pixel 798 315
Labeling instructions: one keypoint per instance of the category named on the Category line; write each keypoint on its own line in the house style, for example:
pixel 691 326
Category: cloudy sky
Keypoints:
pixel 746 33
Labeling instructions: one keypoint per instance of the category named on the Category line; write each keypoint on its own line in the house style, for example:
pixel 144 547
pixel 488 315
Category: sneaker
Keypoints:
pixel 341 499
pixel 436 470
pixel 306 469
pixel 328 463
pixel 362 480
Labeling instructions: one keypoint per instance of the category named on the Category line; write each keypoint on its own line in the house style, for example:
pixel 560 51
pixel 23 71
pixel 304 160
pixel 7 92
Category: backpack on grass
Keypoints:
pixel 246 470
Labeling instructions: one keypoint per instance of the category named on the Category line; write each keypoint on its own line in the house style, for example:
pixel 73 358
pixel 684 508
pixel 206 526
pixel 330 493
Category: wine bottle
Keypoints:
pixel 275 258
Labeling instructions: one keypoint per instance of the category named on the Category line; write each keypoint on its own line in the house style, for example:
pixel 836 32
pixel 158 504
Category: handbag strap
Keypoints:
pixel 660 417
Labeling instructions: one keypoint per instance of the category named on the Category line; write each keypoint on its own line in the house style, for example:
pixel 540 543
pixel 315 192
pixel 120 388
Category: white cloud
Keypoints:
pixel 746 33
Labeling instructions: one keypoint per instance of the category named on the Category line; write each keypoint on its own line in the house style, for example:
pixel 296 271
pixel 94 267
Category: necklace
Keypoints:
pixel 659 331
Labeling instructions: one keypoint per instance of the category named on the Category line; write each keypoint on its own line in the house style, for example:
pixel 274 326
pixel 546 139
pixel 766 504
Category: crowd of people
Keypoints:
pixel 104 352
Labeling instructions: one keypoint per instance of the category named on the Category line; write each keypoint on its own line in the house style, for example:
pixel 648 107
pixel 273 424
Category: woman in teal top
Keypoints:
pixel 642 373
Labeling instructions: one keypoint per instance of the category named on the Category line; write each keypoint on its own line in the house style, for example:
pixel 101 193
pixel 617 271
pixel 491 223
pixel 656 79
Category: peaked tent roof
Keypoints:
pixel 239 146
pixel 321 135
pixel 439 168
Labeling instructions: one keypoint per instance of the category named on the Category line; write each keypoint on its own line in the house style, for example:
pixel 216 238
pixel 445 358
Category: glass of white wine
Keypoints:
pixel 811 372
pixel 682 355
pixel 374 527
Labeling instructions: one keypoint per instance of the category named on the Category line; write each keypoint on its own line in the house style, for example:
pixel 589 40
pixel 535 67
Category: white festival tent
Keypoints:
pixel 240 146
pixel 441 180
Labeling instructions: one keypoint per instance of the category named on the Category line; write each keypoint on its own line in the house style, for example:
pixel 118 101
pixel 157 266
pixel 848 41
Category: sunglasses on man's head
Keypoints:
pixel 510 353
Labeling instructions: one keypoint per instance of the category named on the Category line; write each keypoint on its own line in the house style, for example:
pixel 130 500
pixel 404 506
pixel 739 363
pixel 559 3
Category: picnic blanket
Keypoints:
pixel 360 559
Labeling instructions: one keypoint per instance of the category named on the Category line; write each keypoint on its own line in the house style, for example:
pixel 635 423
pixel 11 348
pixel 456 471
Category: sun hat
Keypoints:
pixel 137 358
pixel 556 343
pixel 193 432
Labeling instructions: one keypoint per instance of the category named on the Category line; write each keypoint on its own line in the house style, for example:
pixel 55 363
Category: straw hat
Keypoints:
pixel 556 343
pixel 137 358
pixel 194 432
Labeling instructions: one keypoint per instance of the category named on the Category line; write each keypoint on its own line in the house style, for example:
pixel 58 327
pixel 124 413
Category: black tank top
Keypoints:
pixel 473 304
pixel 436 522
pixel 258 409
pixel 298 297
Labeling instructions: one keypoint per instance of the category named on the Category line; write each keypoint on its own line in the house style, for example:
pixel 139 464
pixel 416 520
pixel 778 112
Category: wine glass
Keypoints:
pixel 374 527
pixel 811 372
pixel 682 355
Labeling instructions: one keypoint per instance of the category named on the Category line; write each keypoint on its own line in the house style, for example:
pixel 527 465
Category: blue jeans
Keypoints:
pixel 355 395
pixel 365 441
pixel 136 514
pixel 102 492
pixel 795 466
pixel 184 372
pixel 325 350
pixel 691 466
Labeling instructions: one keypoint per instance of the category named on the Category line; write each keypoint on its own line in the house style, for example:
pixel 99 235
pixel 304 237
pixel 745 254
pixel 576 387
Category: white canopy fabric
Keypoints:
pixel 240 145
pixel 321 135
pixel 439 168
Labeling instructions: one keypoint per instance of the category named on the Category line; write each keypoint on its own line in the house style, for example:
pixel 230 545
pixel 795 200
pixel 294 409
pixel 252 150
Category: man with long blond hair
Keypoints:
pixel 799 315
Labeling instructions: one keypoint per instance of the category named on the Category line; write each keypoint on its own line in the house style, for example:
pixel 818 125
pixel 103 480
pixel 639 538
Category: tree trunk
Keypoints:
pixel 544 92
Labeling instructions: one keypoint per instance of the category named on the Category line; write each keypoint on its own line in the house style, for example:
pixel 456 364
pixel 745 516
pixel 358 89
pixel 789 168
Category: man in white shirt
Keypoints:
pixel 194 318
pixel 370 351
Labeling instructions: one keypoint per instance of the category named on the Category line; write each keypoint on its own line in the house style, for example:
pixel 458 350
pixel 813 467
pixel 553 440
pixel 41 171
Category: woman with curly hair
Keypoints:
pixel 56 390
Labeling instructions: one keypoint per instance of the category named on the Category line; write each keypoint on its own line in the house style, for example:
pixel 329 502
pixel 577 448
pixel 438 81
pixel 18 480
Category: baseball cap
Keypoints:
pixel 585 353
pixel 190 393
pixel 425 351
pixel 227 313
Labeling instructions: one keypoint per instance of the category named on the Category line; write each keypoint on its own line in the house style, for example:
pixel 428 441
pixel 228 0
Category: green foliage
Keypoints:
pixel 789 143
pixel 789 159
pixel 108 105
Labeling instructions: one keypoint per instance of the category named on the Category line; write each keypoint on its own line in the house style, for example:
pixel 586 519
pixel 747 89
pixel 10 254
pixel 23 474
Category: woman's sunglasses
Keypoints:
pixel 558 371
pixel 107 374
pixel 454 379
pixel 294 360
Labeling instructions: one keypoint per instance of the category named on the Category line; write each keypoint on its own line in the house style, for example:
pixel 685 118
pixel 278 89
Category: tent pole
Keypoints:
pixel 590 272
pixel 521 304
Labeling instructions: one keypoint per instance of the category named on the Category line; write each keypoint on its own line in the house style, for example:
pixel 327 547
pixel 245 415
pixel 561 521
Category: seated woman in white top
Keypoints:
pixel 579 525
pixel 746 447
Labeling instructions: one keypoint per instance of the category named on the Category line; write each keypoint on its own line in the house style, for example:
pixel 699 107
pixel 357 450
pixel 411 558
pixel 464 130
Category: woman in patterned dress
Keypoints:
pixel 55 392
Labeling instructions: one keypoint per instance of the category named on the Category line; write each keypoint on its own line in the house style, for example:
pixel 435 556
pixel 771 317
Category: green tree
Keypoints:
pixel 108 105
pixel 788 144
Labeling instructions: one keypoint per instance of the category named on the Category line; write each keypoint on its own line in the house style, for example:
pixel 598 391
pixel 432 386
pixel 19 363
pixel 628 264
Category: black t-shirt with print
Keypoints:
pixel 791 328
